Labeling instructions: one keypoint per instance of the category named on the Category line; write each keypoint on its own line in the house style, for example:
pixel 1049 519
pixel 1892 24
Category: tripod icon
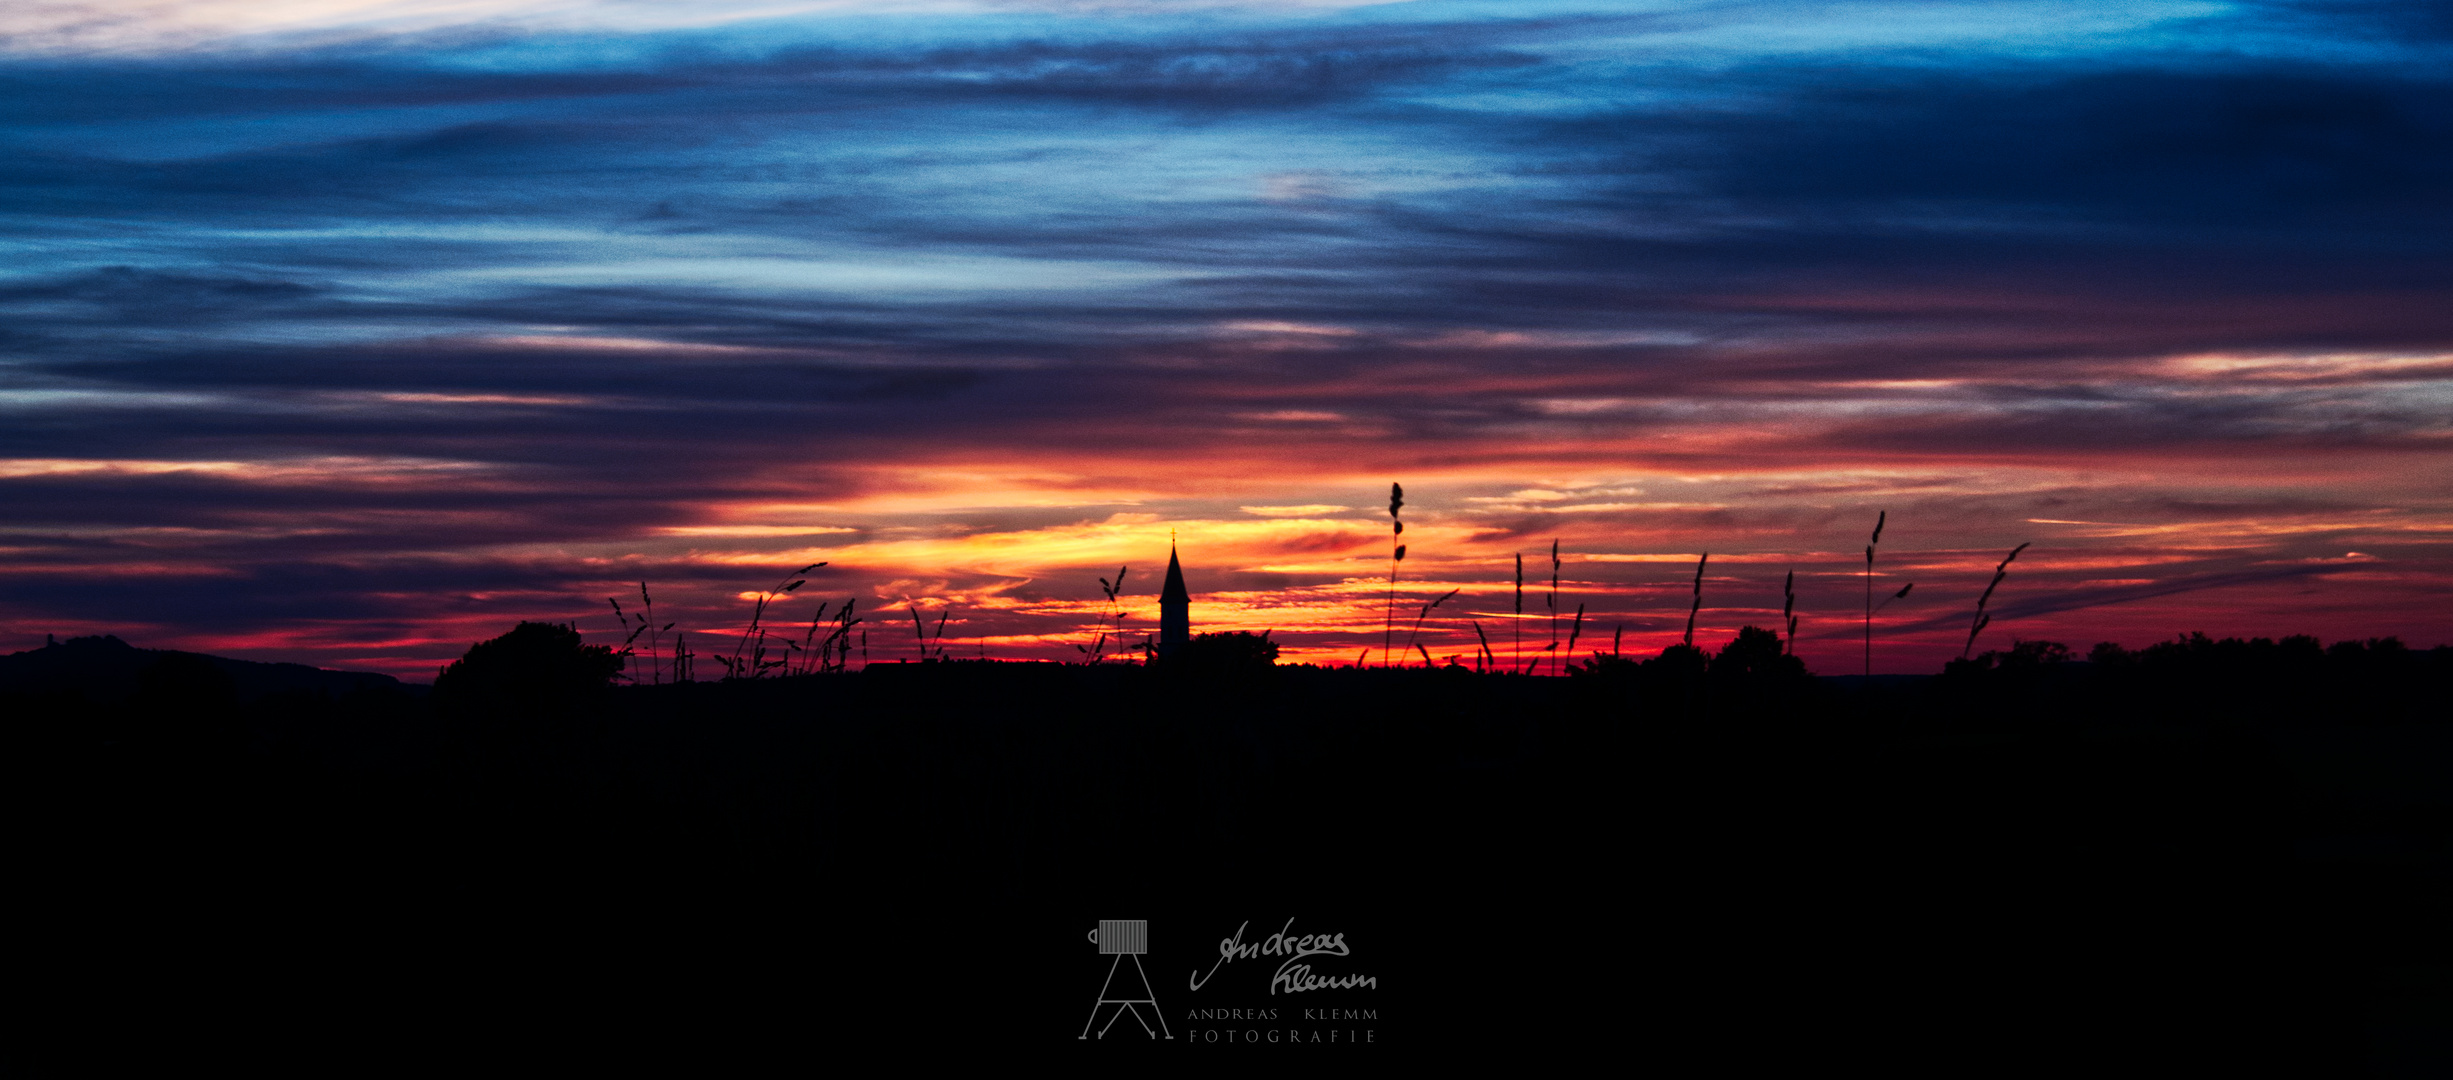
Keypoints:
pixel 1122 938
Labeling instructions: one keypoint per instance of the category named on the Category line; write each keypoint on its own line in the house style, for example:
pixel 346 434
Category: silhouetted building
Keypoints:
pixel 1174 610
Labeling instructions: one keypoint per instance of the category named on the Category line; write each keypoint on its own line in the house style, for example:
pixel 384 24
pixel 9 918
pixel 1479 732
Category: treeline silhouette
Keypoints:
pixel 2199 853
pixel 2250 684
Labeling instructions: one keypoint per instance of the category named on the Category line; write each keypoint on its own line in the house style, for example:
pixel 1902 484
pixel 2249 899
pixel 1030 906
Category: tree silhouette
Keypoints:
pixel 536 668
pixel 1225 652
pixel 1678 664
pixel 1755 664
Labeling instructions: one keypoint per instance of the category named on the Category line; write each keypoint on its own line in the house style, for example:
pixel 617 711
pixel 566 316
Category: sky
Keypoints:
pixel 351 333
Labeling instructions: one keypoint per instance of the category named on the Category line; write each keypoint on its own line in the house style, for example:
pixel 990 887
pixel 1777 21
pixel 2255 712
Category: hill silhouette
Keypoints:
pixel 106 669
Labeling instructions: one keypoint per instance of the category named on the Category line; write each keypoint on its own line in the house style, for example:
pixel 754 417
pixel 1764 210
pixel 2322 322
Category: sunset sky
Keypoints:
pixel 350 333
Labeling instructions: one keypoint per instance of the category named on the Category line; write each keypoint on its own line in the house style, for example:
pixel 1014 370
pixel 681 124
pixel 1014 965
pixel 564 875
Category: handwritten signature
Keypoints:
pixel 1292 974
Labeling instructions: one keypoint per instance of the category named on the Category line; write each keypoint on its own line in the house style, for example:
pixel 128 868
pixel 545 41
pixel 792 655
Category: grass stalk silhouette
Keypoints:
pixel 1552 602
pixel 654 635
pixel 832 652
pixel 1112 622
pixel 1516 651
pixel 1697 607
pixel 1115 610
pixel 1573 632
pixel 642 623
pixel 807 661
pixel 1983 620
pixel 635 630
pixel 1870 544
pixel 1425 612
pixel 756 663
pixel 1788 611
pixel 1388 622
pixel 842 636
pixel 1486 661
pixel 932 647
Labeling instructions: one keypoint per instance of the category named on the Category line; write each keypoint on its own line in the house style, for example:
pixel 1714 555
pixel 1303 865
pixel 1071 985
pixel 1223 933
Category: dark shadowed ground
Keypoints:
pixel 2119 866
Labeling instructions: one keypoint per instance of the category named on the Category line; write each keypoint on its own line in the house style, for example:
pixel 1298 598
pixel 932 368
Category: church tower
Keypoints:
pixel 1174 610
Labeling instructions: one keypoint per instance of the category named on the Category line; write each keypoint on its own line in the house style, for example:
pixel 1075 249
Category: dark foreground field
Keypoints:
pixel 2068 866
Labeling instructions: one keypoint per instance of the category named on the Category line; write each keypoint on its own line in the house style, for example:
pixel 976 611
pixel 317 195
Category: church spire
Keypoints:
pixel 1174 609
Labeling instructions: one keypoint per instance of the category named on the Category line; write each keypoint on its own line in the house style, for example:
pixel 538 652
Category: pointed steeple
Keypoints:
pixel 1174 609
pixel 1174 592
